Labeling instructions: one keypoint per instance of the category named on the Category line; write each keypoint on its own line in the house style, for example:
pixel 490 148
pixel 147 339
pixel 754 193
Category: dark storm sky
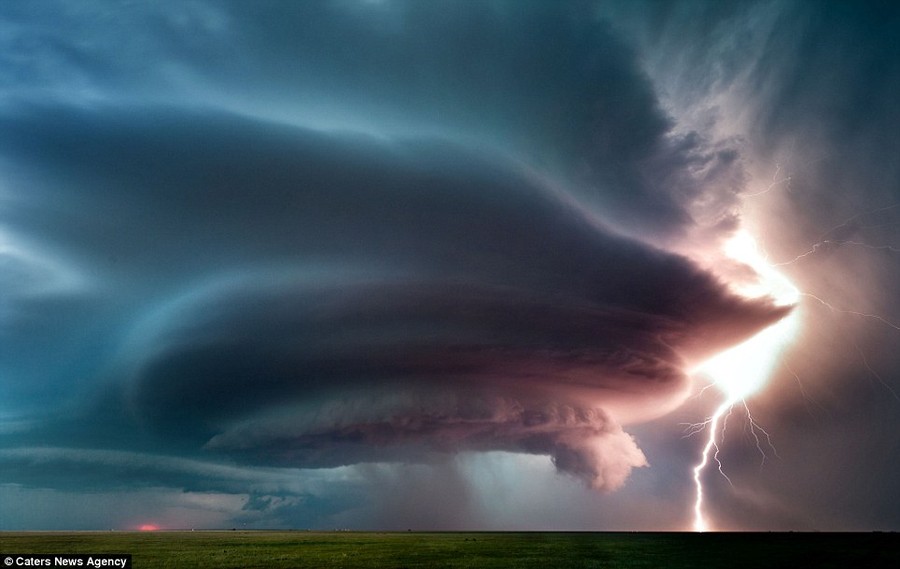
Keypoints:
pixel 443 264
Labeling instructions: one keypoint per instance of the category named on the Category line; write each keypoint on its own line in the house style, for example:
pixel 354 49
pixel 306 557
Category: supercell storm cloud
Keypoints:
pixel 325 299
pixel 268 261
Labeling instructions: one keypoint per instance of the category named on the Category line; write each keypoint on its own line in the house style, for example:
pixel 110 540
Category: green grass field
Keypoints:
pixel 245 549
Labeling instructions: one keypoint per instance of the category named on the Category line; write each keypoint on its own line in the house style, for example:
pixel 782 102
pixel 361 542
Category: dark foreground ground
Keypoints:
pixel 545 550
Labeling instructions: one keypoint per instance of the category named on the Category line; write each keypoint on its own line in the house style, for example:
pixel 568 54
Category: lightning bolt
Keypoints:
pixel 776 181
pixel 851 223
pixel 834 243
pixel 742 370
pixel 700 523
pixel 832 308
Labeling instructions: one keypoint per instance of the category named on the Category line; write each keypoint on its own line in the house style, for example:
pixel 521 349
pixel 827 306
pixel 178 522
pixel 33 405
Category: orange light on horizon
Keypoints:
pixel 148 527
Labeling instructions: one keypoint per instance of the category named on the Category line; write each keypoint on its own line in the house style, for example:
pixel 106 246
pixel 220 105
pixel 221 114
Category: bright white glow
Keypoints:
pixel 744 369
pixel 769 283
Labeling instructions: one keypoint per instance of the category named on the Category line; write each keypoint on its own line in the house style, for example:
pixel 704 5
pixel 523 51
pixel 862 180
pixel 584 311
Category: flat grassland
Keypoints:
pixel 275 549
